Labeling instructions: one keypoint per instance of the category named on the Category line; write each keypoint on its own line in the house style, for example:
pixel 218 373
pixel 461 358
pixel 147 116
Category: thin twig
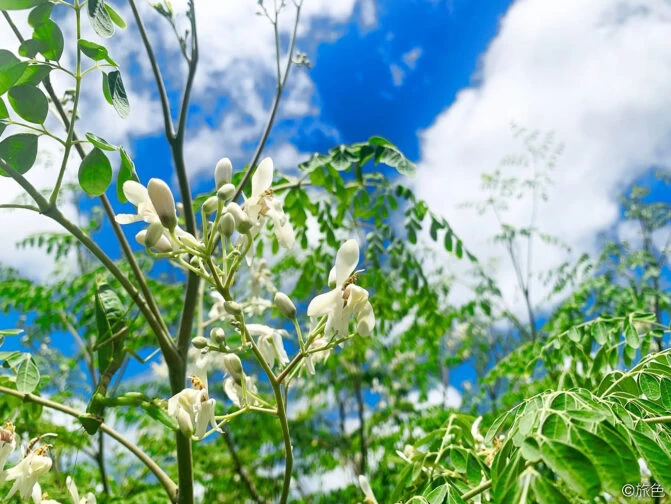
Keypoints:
pixel 163 478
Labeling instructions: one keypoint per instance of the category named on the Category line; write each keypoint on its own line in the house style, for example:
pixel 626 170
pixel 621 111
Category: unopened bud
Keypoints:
pixel 189 240
pixel 199 342
pixel 195 261
pixel 242 222
pixel 223 172
pixel 233 366
pixel 227 225
pixel 226 192
pixel 154 233
pixel 218 336
pixel 232 307
pixel 211 204
pixel 164 202
pixel 285 305
pixel 162 245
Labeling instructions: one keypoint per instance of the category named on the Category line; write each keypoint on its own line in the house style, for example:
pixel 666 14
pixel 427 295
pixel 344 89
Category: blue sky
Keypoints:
pixel 440 78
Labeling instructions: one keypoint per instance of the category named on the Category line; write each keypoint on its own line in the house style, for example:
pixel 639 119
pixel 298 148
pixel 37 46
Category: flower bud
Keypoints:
pixel 162 245
pixel 164 202
pixel 285 305
pixel 218 336
pixel 232 307
pixel 211 204
pixel 242 222
pixel 233 366
pixel 227 225
pixel 226 192
pixel 189 239
pixel 154 233
pixel 199 342
pixel 223 172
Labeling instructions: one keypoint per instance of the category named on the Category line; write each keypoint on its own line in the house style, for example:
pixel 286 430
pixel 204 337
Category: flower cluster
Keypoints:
pixel 34 463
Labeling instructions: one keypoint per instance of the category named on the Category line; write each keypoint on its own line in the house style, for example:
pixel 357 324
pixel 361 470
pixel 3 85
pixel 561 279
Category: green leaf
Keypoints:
pixel 19 152
pixel 631 336
pixel 574 334
pixel 100 18
pixel 391 156
pixel 650 386
pixel 126 172
pixel 50 38
pixel 572 467
pixel 30 48
pixel 115 17
pixel 665 392
pixel 11 68
pixel 110 320
pixel 658 460
pixel 116 93
pixel 27 376
pixel 8 5
pixel 33 75
pixel 600 333
pixel 614 469
pixel 95 51
pixel 29 103
pixel 10 332
pixel 4 113
pixel 101 143
pixel 40 14
pixel 95 173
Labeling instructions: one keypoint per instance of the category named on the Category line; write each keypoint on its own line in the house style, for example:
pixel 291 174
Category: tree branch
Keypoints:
pixel 163 478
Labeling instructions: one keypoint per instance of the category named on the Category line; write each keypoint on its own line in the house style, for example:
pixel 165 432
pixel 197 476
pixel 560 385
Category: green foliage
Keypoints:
pixel 95 172
pixel 29 103
pixel 19 152
pixel 115 93
pixel 100 18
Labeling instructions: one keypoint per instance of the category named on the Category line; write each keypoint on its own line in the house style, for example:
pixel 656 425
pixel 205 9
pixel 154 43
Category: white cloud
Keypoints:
pixel 596 73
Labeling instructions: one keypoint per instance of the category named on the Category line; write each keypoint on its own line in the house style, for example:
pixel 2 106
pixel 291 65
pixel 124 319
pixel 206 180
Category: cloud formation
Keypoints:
pixel 594 73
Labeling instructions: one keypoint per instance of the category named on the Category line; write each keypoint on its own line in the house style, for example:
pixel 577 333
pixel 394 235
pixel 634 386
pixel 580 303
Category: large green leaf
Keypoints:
pixel 19 152
pixel 33 75
pixel 11 68
pixel 100 19
pixel 95 51
pixel 573 467
pixel 20 4
pixel 115 93
pixel 29 103
pixel 95 172
pixel 657 459
pixel 50 38
pixel 614 468
pixel 27 376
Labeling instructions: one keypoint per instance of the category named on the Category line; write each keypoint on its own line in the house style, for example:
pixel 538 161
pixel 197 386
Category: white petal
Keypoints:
pixel 72 488
pixel 365 320
pixel 332 278
pixel 323 303
pixel 37 494
pixel 357 298
pixel 347 259
pixel 282 356
pixel 205 417
pixel 267 350
pixel 262 178
pixel 233 391
pixel 127 218
pixel 135 192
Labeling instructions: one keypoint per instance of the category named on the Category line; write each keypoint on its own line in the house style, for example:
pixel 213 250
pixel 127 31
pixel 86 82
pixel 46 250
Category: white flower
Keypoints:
pixel 89 498
pixel 235 392
pixel 192 408
pixel 315 355
pixel 217 311
pixel 138 195
pixel 42 498
pixel 262 203
pixel 163 201
pixel 367 490
pixel 346 298
pixel 27 471
pixel 7 445
pixel 270 343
